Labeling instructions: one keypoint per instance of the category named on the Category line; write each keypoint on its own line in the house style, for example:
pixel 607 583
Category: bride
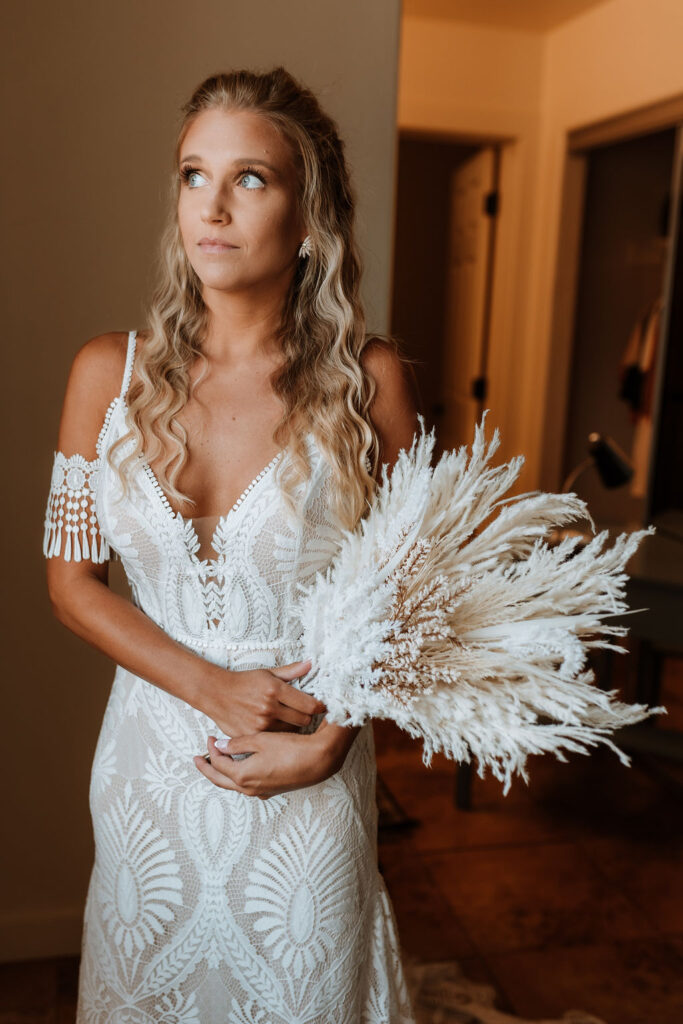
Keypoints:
pixel 219 454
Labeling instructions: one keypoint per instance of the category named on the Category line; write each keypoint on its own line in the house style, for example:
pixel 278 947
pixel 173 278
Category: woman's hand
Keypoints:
pixel 279 762
pixel 261 699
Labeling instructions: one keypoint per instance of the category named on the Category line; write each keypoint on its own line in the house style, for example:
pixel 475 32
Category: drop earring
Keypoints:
pixel 305 248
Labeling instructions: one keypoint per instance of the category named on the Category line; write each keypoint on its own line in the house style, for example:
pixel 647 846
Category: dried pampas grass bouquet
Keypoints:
pixel 472 637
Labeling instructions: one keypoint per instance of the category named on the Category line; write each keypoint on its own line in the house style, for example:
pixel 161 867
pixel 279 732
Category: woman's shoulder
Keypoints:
pixel 380 352
pixel 391 370
pixel 384 359
pixel 94 380
pixel 396 400
pixel 100 362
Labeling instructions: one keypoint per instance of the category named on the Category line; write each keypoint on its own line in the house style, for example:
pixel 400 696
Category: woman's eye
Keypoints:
pixel 254 177
pixel 253 180
pixel 189 175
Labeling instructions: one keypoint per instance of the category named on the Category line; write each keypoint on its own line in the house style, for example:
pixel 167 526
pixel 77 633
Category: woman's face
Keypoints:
pixel 249 214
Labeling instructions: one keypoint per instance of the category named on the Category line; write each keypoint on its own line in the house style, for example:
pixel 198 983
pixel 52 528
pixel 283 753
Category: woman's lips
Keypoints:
pixel 210 246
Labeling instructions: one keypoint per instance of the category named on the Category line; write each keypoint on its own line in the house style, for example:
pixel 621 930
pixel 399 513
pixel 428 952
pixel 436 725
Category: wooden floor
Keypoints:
pixel 566 894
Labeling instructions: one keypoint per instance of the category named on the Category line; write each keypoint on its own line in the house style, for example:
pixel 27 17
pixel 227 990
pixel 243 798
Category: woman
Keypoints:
pixel 254 389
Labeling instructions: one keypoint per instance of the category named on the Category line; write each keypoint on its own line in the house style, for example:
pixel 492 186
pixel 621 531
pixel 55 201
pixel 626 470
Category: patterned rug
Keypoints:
pixel 441 994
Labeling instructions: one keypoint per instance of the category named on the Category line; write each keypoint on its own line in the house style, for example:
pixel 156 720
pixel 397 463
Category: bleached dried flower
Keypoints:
pixel 471 635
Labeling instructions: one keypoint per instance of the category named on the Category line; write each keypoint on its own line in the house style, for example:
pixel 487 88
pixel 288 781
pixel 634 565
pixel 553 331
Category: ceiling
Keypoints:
pixel 528 15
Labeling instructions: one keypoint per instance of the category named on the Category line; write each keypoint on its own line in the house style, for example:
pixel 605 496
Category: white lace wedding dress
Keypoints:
pixel 207 906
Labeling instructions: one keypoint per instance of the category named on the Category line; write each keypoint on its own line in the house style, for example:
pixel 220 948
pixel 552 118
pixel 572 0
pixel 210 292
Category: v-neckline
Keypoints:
pixel 187 525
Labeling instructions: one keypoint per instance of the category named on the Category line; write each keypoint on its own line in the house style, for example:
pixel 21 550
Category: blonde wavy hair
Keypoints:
pixel 322 332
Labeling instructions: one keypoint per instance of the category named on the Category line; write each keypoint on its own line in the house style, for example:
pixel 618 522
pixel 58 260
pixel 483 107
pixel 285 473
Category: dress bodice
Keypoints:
pixel 242 599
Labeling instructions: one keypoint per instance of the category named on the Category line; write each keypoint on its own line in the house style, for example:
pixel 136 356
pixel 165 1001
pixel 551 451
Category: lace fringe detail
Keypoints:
pixel 71 511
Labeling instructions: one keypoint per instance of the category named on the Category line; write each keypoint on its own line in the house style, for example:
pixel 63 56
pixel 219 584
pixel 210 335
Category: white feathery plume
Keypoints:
pixel 472 637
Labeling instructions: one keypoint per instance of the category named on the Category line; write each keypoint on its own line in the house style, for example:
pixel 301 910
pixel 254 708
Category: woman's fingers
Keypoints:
pixel 236 745
pixel 296 707
pixel 218 778
pixel 281 726
pixel 299 701
pixel 292 671
pixel 223 771
pixel 222 758
pixel 289 715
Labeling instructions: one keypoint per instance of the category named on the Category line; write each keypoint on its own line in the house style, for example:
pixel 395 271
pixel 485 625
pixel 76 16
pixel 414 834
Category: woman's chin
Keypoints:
pixel 222 282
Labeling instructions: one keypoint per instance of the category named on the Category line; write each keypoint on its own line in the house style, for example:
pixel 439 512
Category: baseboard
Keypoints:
pixel 36 935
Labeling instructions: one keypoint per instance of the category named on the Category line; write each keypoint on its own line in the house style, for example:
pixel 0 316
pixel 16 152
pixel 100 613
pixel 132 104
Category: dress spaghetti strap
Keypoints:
pixel 128 370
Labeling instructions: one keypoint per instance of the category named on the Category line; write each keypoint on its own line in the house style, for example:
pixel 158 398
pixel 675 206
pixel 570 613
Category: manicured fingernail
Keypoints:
pixel 222 745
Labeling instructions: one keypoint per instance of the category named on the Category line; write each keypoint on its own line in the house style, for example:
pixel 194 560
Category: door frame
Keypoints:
pixel 578 145
pixel 512 150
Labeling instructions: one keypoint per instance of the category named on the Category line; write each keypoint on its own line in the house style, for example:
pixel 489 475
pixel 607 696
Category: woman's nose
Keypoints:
pixel 216 207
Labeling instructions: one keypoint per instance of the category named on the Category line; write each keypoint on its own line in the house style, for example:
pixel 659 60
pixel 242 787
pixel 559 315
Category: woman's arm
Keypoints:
pixel 81 599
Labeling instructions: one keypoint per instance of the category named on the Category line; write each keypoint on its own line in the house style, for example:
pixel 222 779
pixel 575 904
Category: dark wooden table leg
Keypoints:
pixel 463 786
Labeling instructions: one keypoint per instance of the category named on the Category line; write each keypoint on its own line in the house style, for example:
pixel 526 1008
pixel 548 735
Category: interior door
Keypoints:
pixel 472 184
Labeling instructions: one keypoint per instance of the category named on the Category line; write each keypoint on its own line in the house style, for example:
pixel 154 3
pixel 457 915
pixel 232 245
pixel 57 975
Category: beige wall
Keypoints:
pixel 485 83
pixel 92 92
pixel 532 88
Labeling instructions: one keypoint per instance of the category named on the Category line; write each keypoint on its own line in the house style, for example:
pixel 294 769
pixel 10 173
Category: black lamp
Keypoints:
pixel 614 468
pixel 613 465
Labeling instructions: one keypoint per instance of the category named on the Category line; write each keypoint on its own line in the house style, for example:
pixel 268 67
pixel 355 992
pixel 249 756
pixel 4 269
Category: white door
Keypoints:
pixel 467 296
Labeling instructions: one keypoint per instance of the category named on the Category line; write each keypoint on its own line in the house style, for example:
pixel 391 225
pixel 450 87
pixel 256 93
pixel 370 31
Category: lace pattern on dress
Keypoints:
pixel 71 526
pixel 205 905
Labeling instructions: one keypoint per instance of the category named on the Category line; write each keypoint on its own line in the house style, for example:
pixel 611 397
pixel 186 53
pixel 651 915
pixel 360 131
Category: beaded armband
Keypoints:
pixel 71 526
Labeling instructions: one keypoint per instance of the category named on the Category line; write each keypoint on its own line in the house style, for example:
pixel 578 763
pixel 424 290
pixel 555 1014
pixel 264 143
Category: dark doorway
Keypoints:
pixel 624 252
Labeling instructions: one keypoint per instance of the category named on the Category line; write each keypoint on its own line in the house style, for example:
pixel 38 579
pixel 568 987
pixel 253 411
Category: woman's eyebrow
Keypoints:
pixel 237 160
